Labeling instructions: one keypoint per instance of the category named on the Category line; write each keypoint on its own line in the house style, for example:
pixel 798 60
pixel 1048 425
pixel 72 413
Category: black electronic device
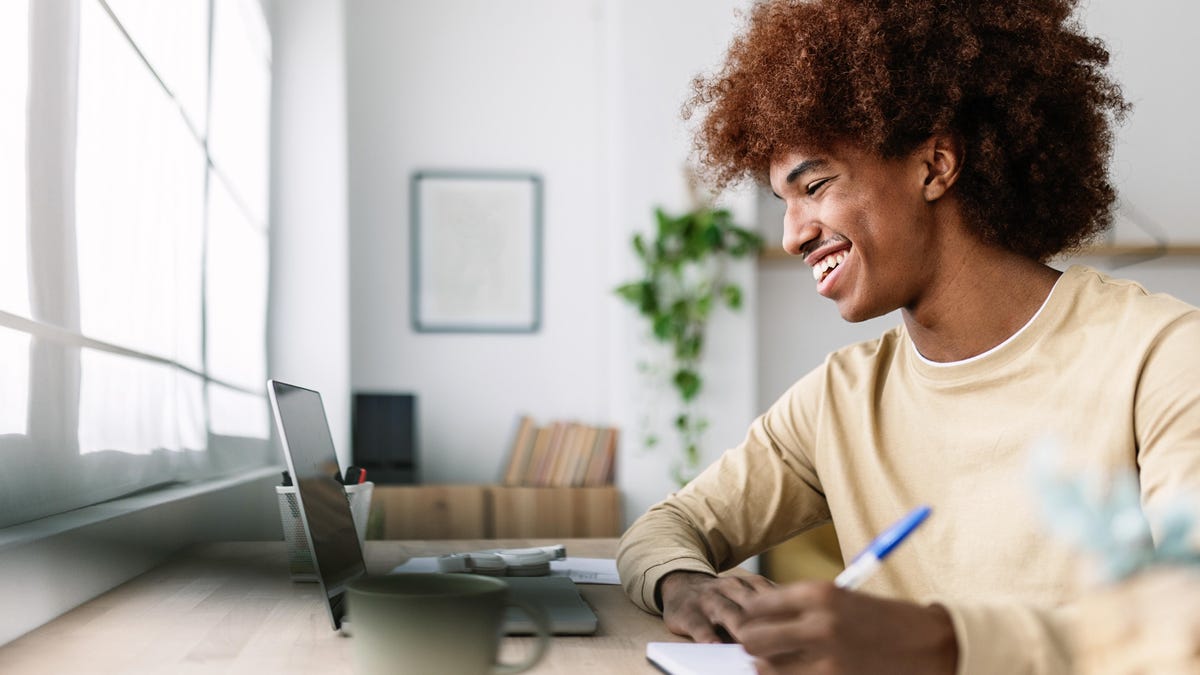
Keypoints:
pixel 385 436
pixel 333 541
pixel 320 494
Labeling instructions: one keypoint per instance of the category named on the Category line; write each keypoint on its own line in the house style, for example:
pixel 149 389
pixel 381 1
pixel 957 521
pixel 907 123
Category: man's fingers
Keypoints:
pixel 791 599
pixel 756 582
pixel 745 587
pixel 709 608
pixel 740 589
pixel 700 621
pixel 773 638
pixel 706 633
pixel 792 619
pixel 723 610
pixel 698 629
pixel 725 606
pixel 793 663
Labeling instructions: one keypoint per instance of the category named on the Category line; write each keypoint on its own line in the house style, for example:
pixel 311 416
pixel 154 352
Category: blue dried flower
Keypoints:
pixel 1102 515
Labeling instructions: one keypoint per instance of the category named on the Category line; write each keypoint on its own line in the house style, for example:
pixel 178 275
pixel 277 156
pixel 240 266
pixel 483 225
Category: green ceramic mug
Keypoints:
pixel 434 623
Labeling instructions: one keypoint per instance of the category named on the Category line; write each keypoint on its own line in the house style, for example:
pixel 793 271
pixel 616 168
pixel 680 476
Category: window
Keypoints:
pixel 14 286
pixel 133 247
pixel 139 201
pixel 14 383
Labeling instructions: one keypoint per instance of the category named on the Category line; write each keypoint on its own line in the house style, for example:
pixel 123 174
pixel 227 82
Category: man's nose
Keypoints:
pixel 800 226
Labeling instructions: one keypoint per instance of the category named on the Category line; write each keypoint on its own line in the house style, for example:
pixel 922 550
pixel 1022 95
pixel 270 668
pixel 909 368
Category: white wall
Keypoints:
pixel 467 84
pixel 654 51
pixel 1154 57
pixel 586 94
pixel 309 322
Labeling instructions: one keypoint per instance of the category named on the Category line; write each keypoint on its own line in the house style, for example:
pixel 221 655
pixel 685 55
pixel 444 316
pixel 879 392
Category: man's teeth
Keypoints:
pixel 827 264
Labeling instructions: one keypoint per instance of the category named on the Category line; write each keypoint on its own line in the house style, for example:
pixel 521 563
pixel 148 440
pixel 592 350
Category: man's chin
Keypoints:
pixel 857 314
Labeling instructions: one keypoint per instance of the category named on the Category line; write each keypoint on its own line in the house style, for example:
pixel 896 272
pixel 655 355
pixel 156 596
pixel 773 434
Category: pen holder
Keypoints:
pixel 300 564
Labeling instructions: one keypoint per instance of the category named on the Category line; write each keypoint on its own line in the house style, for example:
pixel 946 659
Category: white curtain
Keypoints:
pixel 133 247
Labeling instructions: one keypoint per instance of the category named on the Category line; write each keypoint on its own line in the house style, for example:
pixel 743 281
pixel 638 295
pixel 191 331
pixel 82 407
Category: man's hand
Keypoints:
pixel 816 627
pixel 701 607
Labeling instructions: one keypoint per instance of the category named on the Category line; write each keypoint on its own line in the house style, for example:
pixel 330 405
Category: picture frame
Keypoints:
pixel 476 252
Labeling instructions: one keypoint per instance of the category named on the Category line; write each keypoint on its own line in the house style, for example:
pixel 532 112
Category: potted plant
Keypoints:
pixel 682 282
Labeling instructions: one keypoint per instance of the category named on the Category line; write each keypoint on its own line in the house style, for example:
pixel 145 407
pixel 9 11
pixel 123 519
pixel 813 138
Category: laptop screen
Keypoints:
pixel 328 524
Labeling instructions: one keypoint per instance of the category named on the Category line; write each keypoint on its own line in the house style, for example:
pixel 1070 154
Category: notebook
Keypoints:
pixel 329 526
pixel 689 658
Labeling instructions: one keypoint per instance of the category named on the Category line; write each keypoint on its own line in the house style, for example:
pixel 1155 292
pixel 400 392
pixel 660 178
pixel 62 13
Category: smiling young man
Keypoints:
pixel 932 157
pixel 885 234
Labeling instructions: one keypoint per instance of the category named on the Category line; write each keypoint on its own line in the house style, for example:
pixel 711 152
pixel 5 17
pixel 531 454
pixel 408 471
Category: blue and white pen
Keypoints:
pixel 865 563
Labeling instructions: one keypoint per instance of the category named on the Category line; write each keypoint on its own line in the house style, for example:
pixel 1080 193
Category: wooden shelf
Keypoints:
pixel 1168 251
pixel 490 511
pixel 775 254
pixel 428 512
pixel 520 512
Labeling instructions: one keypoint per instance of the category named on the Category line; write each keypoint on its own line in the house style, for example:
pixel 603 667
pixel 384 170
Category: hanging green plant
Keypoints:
pixel 683 279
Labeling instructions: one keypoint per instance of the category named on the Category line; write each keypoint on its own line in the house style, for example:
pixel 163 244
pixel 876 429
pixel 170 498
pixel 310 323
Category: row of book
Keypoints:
pixel 561 454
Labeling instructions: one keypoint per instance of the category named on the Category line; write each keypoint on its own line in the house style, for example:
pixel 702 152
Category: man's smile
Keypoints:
pixel 826 264
pixel 826 256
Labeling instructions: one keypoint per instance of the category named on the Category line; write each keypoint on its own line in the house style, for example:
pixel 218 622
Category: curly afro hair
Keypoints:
pixel 1015 80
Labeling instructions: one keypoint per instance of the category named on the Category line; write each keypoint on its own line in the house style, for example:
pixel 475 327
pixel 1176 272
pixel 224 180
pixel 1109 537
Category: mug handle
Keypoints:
pixel 542 624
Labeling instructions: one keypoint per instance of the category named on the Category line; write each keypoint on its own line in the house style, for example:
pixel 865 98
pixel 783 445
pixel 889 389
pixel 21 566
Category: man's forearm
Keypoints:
pixel 657 544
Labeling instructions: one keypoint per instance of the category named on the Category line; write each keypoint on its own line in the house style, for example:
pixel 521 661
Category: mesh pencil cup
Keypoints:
pixel 300 564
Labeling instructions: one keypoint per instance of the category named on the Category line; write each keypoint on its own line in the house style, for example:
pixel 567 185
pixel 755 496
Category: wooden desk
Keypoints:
pixel 231 608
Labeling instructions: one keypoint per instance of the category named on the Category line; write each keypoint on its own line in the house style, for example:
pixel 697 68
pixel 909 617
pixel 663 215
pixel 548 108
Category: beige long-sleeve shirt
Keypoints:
pixel 1109 370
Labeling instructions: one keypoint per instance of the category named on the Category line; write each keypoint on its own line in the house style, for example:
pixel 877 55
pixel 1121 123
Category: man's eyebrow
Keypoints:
pixel 804 167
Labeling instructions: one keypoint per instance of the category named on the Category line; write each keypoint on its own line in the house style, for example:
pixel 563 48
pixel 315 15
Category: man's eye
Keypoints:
pixel 815 185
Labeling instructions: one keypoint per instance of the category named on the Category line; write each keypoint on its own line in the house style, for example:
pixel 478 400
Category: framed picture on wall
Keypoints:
pixel 476 252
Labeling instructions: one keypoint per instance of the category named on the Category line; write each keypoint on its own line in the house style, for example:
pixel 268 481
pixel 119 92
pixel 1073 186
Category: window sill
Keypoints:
pixel 26 533
pixel 51 565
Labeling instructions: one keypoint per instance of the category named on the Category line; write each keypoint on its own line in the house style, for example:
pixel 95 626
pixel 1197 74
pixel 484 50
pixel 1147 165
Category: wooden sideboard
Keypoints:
pixel 493 511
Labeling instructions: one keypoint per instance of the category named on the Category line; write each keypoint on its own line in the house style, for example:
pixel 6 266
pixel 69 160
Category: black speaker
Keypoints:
pixel 385 436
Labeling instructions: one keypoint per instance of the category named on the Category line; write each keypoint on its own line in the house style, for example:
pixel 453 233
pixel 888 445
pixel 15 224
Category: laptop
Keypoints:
pixel 333 541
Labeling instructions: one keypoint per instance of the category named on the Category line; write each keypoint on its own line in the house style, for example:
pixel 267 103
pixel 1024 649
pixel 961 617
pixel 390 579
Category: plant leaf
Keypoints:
pixel 732 294
pixel 662 220
pixel 663 327
pixel 688 383
pixel 688 348
pixel 639 245
pixel 631 291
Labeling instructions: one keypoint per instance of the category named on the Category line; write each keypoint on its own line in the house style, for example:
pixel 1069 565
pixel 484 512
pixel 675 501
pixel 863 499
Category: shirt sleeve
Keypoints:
pixel 1000 639
pixel 1167 418
pixel 733 509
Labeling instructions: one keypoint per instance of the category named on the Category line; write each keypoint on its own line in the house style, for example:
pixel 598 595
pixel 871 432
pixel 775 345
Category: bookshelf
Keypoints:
pixel 556 481
pixel 561 453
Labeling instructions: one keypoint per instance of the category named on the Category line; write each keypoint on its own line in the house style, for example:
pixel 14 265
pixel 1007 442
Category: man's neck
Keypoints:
pixel 976 303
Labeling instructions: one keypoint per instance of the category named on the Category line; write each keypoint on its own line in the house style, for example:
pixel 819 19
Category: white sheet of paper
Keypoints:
pixel 587 570
pixel 690 658
pixel 419 564
pixel 579 570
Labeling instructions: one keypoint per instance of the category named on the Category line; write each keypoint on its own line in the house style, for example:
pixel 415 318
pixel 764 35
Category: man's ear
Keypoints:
pixel 941 158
